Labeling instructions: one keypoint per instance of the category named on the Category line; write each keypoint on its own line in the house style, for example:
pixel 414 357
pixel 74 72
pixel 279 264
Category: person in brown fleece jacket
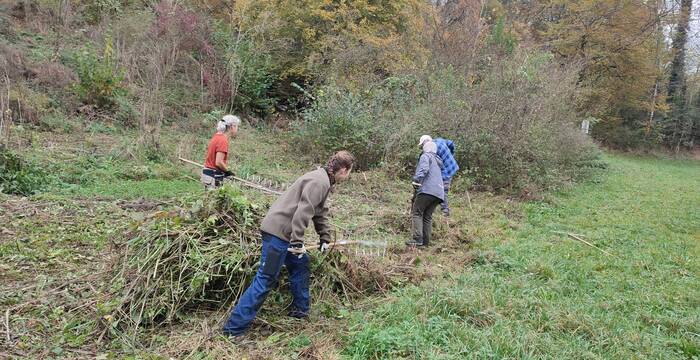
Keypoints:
pixel 283 241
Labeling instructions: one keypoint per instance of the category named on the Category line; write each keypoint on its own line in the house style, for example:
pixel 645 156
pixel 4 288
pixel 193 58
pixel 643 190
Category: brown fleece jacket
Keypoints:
pixel 305 200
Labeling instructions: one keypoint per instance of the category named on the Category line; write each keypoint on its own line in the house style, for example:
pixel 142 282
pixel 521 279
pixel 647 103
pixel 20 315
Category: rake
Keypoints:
pixel 361 247
pixel 257 183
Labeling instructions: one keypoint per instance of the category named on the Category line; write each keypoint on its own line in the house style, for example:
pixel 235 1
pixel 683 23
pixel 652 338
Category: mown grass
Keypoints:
pixel 541 294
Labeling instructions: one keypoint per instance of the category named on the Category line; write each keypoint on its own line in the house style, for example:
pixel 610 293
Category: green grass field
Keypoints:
pixel 542 294
pixel 503 280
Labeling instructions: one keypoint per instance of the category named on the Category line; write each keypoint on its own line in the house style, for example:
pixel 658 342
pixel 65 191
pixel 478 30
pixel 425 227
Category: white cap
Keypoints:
pixel 430 147
pixel 424 139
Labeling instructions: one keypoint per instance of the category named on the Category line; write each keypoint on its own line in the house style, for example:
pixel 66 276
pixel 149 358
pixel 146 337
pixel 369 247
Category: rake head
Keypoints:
pixel 363 247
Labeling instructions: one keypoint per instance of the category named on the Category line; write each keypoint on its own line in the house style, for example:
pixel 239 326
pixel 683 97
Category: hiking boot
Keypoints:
pixel 296 313
pixel 414 243
pixel 240 340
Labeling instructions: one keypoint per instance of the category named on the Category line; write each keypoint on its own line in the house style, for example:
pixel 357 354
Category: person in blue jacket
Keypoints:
pixel 427 182
pixel 446 152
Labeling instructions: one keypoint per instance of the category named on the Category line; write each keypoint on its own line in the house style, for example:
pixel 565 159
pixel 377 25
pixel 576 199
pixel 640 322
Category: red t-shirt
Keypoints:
pixel 218 143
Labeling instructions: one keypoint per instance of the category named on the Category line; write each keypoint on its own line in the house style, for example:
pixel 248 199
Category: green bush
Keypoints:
pixel 55 123
pixel 514 128
pixel 100 78
pixel 93 11
pixel 340 120
pixel 251 71
pixel 125 111
pixel 18 176
pixel 376 124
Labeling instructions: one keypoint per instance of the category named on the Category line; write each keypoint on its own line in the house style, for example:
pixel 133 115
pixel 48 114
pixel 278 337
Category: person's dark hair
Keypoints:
pixel 340 160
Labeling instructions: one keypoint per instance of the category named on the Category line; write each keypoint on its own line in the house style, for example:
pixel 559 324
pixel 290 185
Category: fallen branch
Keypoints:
pixel 469 201
pixel 578 237
pixel 78 279
pixel 7 326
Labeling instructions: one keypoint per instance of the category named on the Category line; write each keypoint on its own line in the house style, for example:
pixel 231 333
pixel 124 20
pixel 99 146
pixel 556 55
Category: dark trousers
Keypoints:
pixel 422 217
pixel 274 255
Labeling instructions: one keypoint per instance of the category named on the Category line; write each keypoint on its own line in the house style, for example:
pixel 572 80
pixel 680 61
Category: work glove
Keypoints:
pixel 323 247
pixel 297 249
pixel 228 173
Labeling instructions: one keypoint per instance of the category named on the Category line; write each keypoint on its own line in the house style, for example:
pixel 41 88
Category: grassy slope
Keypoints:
pixel 544 295
pixel 501 285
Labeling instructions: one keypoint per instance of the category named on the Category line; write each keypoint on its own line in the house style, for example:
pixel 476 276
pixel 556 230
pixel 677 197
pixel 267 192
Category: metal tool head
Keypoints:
pixel 363 247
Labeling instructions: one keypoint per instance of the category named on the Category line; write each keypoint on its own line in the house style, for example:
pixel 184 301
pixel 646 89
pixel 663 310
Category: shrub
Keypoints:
pixel 376 123
pixel 18 176
pixel 93 11
pixel 340 119
pixel 28 105
pixel 125 111
pixel 13 62
pixel 100 79
pixel 513 127
pixel 516 128
pixel 55 123
pixel 251 73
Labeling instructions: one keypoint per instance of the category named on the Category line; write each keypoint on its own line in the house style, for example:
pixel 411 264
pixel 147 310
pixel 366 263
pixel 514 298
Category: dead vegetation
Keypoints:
pixel 202 258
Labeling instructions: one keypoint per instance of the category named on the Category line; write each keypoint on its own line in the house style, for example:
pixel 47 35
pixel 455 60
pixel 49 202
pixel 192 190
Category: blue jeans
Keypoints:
pixel 274 255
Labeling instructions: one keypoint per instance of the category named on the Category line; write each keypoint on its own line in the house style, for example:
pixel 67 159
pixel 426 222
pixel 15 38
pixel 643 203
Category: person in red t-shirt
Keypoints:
pixel 215 165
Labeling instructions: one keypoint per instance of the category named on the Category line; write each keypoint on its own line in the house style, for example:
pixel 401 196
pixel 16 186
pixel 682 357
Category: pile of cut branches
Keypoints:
pixel 205 256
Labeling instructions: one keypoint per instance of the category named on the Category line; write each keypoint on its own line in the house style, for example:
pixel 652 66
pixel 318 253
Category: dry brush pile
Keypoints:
pixel 204 256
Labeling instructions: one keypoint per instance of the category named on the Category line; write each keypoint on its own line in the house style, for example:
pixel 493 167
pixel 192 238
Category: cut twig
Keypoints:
pixel 469 201
pixel 578 237
pixel 7 326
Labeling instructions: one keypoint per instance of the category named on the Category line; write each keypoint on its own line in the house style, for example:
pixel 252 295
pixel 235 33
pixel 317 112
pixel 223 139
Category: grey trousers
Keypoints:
pixel 422 217
pixel 446 186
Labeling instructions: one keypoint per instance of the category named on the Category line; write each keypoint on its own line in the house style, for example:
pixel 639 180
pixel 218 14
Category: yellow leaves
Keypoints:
pixel 308 34
pixel 615 43
pixel 347 33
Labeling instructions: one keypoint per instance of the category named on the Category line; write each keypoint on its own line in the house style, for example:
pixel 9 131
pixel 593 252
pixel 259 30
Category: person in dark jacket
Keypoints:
pixel 429 194
pixel 283 241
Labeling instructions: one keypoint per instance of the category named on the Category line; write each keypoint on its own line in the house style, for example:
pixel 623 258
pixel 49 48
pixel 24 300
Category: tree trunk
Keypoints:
pixel 676 85
pixel 678 49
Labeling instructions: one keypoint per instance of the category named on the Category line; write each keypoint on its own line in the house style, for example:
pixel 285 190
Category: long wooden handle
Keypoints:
pixel 254 186
pixel 245 182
